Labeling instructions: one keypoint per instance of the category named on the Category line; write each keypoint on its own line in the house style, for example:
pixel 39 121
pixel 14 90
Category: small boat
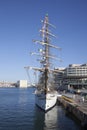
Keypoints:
pixel 45 93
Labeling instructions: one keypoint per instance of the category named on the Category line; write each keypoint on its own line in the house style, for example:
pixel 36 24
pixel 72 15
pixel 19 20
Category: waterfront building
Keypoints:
pixel 73 76
pixel 58 77
pixel 7 84
pixel 22 83
pixel 76 70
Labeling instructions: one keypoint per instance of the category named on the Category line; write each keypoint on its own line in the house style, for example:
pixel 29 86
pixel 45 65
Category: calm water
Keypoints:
pixel 18 112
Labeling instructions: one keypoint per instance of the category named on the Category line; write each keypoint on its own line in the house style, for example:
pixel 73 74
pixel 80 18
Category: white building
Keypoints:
pixel 76 70
pixel 22 83
pixel 75 75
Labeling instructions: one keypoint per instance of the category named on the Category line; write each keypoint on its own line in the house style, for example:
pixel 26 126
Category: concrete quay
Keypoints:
pixel 75 105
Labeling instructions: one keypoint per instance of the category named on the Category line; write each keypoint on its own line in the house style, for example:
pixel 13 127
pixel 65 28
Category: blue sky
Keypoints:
pixel 20 23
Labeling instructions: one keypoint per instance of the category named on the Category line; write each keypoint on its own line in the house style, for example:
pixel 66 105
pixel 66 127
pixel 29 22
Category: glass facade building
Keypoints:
pixel 76 70
pixel 74 75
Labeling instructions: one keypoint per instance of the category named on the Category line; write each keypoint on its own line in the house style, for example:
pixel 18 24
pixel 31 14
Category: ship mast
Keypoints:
pixel 45 52
pixel 46 40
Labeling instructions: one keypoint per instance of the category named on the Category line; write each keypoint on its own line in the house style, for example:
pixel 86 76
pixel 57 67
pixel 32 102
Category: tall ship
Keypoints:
pixel 45 93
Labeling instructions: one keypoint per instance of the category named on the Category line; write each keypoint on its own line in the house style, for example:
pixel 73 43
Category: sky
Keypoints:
pixel 20 23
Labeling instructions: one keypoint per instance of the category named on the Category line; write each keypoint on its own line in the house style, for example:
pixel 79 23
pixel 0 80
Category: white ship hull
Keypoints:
pixel 46 101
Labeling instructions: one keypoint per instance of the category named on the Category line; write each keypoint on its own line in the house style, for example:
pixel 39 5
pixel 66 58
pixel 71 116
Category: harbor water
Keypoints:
pixel 19 112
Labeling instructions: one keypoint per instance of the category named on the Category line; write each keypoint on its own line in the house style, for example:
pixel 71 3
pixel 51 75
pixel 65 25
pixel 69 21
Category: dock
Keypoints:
pixel 76 105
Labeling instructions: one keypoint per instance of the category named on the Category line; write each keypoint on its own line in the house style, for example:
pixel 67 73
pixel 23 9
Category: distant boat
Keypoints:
pixel 45 93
